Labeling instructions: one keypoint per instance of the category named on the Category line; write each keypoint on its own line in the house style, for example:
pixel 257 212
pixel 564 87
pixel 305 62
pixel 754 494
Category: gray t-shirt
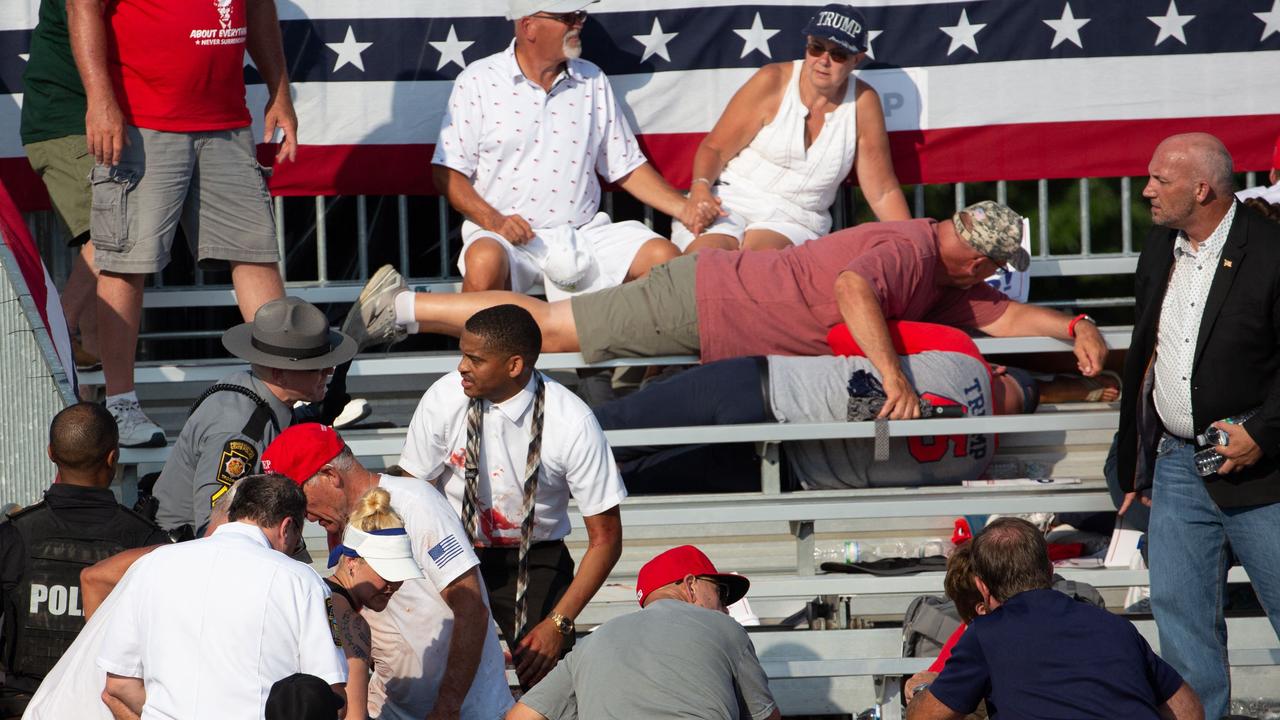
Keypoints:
pixel 670 660
pixel 816 389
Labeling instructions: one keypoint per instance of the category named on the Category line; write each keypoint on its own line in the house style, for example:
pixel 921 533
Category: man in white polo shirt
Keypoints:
pixel 435 653
pixel 508 446
pixel 525 134
pixel 204 628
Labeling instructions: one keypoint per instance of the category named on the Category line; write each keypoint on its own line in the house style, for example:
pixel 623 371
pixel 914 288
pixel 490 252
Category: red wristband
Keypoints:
pixel 1071 326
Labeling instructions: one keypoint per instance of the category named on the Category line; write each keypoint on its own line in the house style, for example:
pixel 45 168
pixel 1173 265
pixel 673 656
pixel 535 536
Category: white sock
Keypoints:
pixel 405 312
pixel 131 396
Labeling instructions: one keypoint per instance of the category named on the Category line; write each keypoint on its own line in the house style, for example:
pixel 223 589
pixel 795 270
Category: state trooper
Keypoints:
pixel 292 353
pixel 44 547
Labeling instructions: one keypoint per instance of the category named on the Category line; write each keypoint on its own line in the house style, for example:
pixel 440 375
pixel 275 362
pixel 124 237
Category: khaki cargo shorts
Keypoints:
pixel 210 181
pixel 63 164
pixel 655 315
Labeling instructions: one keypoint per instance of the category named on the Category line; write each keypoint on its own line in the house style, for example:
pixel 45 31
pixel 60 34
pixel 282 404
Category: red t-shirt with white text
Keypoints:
pixel 178 65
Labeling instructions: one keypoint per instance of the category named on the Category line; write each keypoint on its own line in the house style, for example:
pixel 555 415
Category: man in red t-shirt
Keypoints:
pixel 168 127
pixel 723 304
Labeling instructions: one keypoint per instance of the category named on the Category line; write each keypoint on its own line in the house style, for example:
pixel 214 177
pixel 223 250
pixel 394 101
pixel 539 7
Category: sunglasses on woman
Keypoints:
pixel 837 55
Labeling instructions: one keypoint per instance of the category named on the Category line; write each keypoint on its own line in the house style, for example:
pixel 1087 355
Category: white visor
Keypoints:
pixel 389 552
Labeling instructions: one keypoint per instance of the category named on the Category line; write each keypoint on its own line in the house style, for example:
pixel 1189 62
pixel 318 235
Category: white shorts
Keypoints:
pixel 613 244
pixel 743 216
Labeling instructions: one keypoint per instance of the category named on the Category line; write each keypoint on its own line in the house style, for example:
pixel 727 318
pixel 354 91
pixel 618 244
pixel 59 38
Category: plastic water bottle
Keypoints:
pixel 1209 460
pixel 864 551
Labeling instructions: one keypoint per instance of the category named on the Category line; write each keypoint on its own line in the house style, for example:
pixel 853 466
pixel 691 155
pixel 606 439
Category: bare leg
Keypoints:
pixel 712 240
pixel 79 303
pixel 1070 387
pixel 654 252
pixel 487 266
pixel 256 284
pixel 446 313
pixel 765 240
pixel 119 313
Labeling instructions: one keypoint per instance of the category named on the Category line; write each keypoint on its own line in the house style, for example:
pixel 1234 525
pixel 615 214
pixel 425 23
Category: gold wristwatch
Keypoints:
pixel 563 624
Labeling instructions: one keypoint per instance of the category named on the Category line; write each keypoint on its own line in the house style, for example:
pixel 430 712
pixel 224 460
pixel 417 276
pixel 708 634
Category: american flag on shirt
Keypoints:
pixel 972 89
pixel 445 551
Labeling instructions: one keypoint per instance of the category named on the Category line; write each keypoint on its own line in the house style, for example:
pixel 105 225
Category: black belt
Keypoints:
pixel 503 549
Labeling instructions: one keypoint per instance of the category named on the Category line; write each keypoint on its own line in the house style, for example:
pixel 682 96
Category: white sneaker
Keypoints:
pixel 136 429
pixel 355 411
pixel 372 318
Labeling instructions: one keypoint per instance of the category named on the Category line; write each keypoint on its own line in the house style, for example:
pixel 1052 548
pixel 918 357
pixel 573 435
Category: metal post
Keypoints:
pixel 1002 192
pixel 443 206
pixel 1042 201
pixel 919 201
pixel 1086 241
pixel 803 532
pixel 960 203
pixel 362 235
pixel 648 217
pixel 1126 216
pixel 322 242
pixel 838 221
pixel 402 232
pixel 278 204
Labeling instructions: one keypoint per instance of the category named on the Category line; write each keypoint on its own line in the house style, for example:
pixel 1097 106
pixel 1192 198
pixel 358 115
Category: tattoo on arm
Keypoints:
pixel 355 635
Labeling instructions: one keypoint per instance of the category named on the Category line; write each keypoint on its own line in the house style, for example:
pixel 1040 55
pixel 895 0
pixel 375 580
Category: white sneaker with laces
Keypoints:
pixel 372 318
pixel 136 429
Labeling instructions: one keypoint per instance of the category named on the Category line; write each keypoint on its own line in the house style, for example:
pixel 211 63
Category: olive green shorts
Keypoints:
pixel 655 315
pixel 64 164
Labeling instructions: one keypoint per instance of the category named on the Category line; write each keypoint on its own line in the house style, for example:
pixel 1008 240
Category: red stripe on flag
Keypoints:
pixel 17 237
pixel 997 152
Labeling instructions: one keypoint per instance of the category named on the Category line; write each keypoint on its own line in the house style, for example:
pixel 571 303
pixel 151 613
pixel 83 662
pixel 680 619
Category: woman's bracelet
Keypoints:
pixel 703 180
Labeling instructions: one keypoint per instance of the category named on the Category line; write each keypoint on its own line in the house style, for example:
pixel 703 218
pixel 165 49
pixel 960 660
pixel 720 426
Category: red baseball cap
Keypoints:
pixel 676 563
pixel 300 451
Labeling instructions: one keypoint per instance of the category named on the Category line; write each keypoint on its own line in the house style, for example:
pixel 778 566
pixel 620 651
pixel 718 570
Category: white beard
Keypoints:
pixel 572 51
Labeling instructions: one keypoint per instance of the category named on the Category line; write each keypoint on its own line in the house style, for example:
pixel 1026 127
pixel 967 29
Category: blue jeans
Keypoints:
pixel 1191 540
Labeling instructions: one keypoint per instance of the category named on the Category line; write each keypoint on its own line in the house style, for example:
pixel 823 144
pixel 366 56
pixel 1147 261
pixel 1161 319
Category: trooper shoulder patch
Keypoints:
pixel 238 459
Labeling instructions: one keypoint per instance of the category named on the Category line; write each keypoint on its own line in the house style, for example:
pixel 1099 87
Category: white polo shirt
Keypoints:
pixel 411 636
pixel 533 152
pixel 209 625
pixel 576 459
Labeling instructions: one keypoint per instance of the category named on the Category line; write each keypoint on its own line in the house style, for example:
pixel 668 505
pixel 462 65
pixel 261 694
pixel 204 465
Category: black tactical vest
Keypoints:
pixel 48 610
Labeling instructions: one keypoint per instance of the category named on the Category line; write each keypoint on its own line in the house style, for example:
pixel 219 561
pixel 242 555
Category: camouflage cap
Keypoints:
pixel 995 231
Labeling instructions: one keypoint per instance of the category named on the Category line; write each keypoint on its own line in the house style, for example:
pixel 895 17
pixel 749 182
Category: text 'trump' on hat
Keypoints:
pixel 994 230
pixel 301 450
pixel 840 24
pixel 676 563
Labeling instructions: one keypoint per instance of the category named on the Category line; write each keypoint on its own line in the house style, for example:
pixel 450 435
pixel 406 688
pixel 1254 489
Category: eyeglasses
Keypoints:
pixel 570 18
pixel 837 55
pixel 721 588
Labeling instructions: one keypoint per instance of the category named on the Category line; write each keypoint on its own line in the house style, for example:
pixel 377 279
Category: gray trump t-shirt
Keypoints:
pixel 670 660
pixel 816 389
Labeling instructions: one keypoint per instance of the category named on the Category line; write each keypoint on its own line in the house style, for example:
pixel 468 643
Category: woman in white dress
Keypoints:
pixel 789 137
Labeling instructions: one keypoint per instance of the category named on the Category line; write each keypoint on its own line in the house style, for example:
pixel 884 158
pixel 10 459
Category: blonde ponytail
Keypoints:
pixel 373 512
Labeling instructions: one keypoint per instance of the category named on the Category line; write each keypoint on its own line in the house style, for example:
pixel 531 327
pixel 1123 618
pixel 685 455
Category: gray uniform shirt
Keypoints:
pixel 213 451
pixel 815 389
pixel 670 660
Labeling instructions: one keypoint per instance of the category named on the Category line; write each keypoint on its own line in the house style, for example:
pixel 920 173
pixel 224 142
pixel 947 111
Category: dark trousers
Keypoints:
pixel 550 572
pixel 726 392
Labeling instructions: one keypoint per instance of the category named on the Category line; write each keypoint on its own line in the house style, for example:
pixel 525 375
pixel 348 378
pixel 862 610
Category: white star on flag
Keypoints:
pixel 349 51
pixel 1171 24
pixel 1066 28
pixel 451 49
pixel 655 43
pixel 756 37
pixel 871 38
pixel 963 33
pixel 1272 19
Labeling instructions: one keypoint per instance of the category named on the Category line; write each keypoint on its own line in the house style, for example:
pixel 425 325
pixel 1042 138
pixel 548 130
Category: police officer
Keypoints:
pixel 292 353
pixel 44 547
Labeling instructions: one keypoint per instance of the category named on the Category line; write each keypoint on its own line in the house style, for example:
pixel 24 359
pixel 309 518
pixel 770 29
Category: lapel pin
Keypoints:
pixel 1226 263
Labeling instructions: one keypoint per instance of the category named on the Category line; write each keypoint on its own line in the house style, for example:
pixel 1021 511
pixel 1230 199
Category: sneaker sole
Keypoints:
pixel 157 440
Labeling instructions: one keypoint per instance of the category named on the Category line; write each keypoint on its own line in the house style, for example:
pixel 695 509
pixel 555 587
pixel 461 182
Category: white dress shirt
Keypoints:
pixel 210 625
pixel 1180 315
pixel 532 152
pixel 576 459
pixel 411 636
